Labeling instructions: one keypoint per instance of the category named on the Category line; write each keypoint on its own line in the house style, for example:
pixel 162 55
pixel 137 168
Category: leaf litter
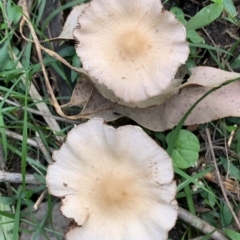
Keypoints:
pixel 219 104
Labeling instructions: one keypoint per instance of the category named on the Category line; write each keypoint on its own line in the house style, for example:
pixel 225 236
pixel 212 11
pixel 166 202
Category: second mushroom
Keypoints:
pixel 131 50
pixel 114 183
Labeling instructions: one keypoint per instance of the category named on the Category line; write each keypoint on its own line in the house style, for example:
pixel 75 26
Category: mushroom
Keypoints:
pixel 131 50
pixel 114 183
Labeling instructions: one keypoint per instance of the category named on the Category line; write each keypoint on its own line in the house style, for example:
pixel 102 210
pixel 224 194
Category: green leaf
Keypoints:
pixel 14 13
pixel 226 215
pixel 212 200
pixel 75 63
pixel 230 168
pixel 208 236
pixel 205 16
pixel 218 1
pixel 233 235
pixel 194 36
pixel 238 143
pixel 230 8
pixel 179 14
pixel 186 150
pixel 6 223
pixel 236 62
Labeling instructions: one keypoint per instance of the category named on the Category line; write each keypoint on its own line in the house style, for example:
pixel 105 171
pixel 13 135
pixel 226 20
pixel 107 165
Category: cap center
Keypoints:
pixel 132 44
pixel 114 192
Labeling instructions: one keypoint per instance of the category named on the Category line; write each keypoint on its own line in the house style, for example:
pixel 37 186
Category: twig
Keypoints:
pixel 43 149
pixel 52 123
pixel 36 97
pixel 199 224
pixel 230 185
pixel 38 112
pixel 219 179
pixel 212 41
pixel 40 57
pixel 20 137
pixel 198 238
pixel 203 149
pixel 17 178
pixel 40 199
pixel 229 143
pixel 2 160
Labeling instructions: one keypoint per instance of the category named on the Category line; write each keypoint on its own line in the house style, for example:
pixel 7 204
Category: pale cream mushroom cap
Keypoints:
pixel 115 183
pixel 131 49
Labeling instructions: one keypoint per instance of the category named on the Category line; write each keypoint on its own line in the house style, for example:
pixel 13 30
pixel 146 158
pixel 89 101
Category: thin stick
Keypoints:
pixel 212 41
pixel 219 179
pixel 20 137
pixel 40 199
pixel 43 149
pixel 199 224
pixel 38 112
pixel 54 101
pixel 198 238
pixel 17 178
pixel 2 160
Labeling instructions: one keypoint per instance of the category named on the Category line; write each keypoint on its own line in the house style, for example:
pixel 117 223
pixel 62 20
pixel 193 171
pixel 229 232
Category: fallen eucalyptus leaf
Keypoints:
pixel 81 93
pixel 156 100
pixel 209 77
pixel 218 104
pixel 221 103
pixel 97 104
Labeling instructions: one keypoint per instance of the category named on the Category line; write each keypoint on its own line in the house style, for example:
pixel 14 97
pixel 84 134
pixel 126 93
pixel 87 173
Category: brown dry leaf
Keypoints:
pixel 221 103
pixel 71 22
pixel 81 93
pixel 209 77
pixel 230 185
pixel 97 104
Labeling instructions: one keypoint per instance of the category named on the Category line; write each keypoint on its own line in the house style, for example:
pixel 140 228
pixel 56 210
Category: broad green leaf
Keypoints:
pixel 229 7
pixel 186 150
pixel 212 200
pixel 6 224
pixel 226 215
pixel 230 168
pixel 204 17
pixel 14 13
pixel 233 235
pixel 236 63
pixel 218 1
pixel 194 36
pixel 75 63
pixel 179 14
pixel 3 54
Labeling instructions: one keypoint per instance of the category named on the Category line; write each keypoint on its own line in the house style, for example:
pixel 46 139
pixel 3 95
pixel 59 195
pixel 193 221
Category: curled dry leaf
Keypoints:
pixel 97 104
pixel 81 93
